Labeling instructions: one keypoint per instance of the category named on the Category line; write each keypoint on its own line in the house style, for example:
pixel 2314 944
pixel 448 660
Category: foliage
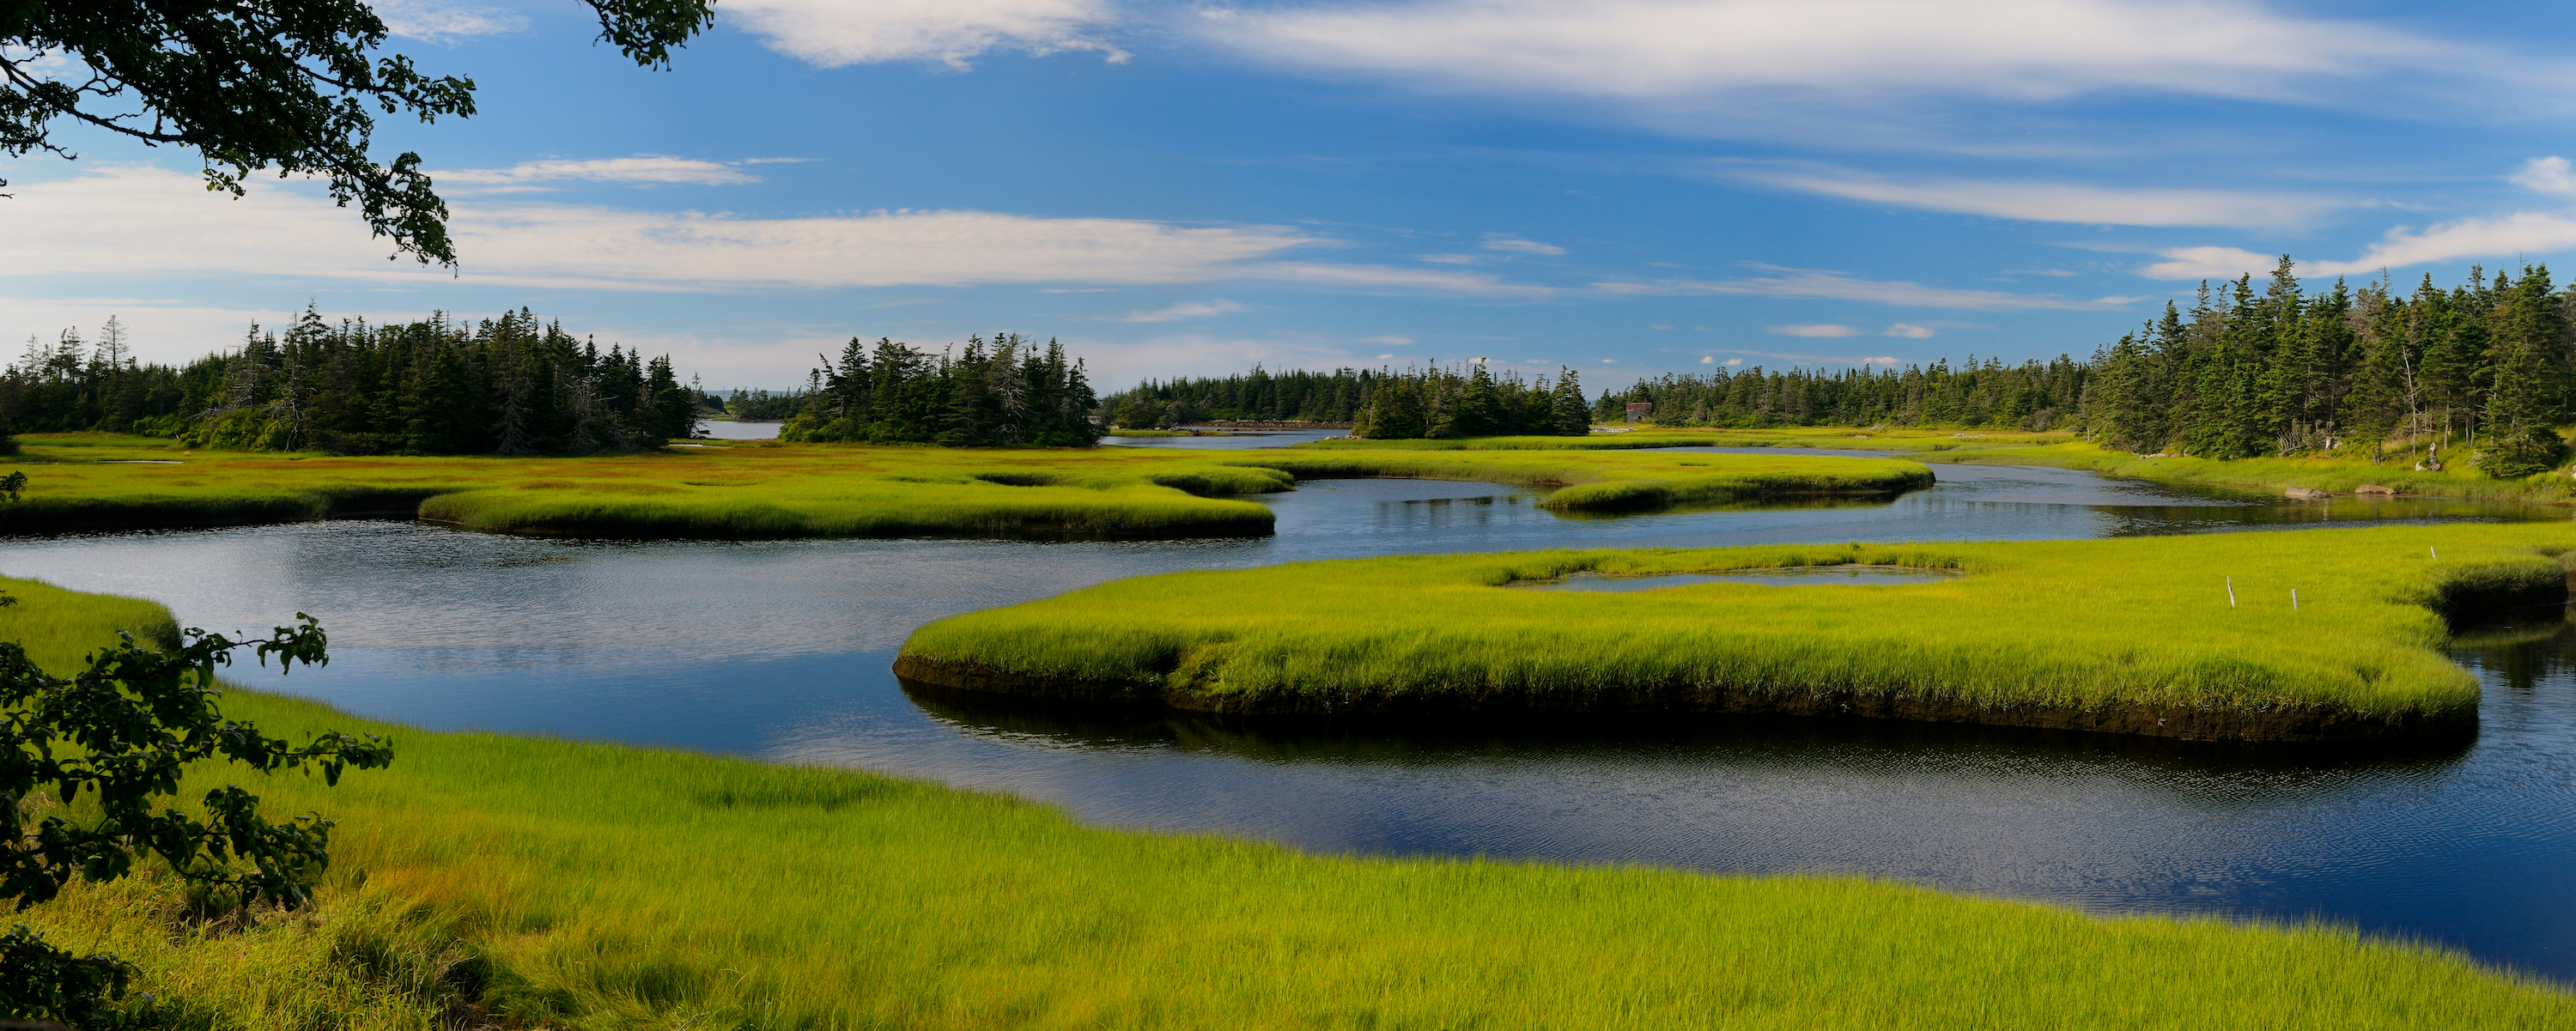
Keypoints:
pixel 2131 621
pixel 1260 395
pixel 2491 364
pixel 510 385
pixel 123 733
pixel 2032 396
pixel 1011 393
pixel 288 84
pixel 1439 403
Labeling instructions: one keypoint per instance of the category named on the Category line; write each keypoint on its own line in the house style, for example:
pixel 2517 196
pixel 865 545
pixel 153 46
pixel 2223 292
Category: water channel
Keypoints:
pixel 781 650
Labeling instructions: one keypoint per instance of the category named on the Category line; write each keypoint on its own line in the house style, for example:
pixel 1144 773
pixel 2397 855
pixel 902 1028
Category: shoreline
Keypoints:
pixel 2286 725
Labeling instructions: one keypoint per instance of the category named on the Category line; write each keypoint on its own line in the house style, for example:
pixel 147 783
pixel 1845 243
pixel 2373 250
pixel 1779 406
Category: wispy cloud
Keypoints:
pixel 132 221
pixel 437 22
pixel 648 169
pixel 2033 201
pixel 1856 50
pixel 835 33
pixel 2548 175
pixel 1908 330
pixel 1447 259
pixel 1805 359
pixel 1509 244
pixel 1828 285
pixel 2521 233
pixel 1817 330
pixel 1185 310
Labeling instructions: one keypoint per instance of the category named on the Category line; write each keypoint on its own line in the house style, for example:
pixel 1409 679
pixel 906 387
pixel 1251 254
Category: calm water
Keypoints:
pixel 781 650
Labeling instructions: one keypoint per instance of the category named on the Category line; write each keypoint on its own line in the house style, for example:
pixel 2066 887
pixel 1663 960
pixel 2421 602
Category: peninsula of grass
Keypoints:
pixel 742 489
pixel 494 881
pixel 1605 480
pixel 721 489
pixel 2338 473
pixel 2136 636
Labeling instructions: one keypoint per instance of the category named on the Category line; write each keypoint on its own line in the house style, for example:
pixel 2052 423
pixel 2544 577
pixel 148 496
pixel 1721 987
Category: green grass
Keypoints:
pixel 1604 480
pixel 2061 625
pixel 767 490
pixel 2336 473
pixel 543 883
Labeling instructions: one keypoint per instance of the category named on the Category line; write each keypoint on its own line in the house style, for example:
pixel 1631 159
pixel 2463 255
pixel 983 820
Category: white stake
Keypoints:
pixel 2231 592
pixel 2437 553
pixel 2294 599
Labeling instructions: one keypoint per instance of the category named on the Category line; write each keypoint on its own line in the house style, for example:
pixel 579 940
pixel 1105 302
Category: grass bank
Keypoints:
pixel 748 489
pixel 2136 635
pixel 520 882
pixel 735 489
pixel 2334 474
pixel 1608 480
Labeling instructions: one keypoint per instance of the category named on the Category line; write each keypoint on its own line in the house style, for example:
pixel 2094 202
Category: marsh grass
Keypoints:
pixel 768 490
pixel 528 882
pixel 1608 480
pixel 2059 624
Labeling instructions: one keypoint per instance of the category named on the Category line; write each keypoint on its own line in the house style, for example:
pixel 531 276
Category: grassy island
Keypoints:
pixel 745 489
pixel 2137 635
pixel 2333 473
pixel 487 880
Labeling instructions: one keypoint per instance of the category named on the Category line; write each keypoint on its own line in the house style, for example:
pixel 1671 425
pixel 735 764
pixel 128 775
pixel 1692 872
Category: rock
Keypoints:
pixel 2306 494
pixel 2373 488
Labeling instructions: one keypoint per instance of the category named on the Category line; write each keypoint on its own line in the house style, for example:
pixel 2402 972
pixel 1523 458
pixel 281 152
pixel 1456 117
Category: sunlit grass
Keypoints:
pixel 768 490
pixel 2060 624
pixel 1602 480
pixel 566 885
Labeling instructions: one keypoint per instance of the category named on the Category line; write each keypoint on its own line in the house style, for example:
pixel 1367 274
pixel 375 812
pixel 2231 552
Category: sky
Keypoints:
pixel 1625 187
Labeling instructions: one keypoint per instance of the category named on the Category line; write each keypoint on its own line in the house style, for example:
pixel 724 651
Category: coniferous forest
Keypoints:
pixel 1000 392
pixel 509 385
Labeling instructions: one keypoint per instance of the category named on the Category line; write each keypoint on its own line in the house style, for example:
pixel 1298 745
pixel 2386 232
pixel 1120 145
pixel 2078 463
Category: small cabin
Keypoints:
pixel 1639 410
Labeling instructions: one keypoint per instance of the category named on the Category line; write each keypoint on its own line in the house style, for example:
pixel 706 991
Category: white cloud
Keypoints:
pixel 130 221
pixel 1447 259
pixel 2027 50
pixel 2521 234
pixel 1185 310
pixel 436 22
pixel 1515 245
pixel 2547 175
pixel 1380 277
pixel 835 33
pixel 1908 330
pixel 2209 263
pixel 2054 202
pixel 1819 330
pixel 649 169
pixel 1390 341
pixel 1826 285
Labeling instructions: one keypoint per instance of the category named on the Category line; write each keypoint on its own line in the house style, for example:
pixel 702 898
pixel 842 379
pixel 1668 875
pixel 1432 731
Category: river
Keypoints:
pixel 781 650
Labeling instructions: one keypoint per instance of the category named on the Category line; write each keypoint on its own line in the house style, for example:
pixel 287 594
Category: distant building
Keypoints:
pixel 1638 410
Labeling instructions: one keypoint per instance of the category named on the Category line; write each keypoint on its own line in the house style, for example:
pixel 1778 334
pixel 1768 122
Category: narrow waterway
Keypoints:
pixel 781 650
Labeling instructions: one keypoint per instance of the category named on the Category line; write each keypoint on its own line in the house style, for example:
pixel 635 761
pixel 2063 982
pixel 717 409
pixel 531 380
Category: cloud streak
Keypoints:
pixel 1828 285
pixel 130 221
pixel 838 33
pixel 2017 50
pixel 2053 201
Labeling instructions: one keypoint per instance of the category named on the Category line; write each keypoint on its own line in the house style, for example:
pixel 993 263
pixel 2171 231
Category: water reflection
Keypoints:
pixel 781 649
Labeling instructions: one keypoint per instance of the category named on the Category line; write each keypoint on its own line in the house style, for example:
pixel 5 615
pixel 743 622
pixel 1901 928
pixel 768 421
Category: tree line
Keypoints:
pixel 2489 363
pixel 1260 395
pixel 508 385
pixel 2032 395
pixel 1004 391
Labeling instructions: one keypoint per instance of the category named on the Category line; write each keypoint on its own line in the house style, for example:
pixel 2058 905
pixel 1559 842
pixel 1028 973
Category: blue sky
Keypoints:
pixel 1628 187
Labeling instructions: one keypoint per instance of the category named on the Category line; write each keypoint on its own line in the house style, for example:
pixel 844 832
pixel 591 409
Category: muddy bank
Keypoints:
pixel 2185 723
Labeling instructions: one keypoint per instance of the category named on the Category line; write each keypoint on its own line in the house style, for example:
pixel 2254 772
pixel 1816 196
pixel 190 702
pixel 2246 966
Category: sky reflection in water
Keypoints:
pixel 780 649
